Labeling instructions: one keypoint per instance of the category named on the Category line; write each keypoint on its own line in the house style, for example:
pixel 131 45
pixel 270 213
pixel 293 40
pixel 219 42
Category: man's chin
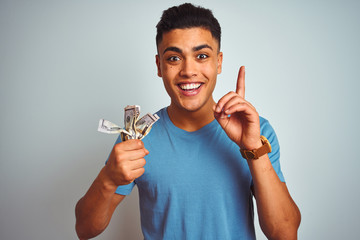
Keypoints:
pixel 193 108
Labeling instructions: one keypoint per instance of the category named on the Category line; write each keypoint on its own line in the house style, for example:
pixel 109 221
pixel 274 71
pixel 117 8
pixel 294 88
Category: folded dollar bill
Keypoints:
pixel 135 128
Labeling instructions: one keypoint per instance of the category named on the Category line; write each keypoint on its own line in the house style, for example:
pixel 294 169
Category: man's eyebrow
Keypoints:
pixel 195 49
pixel 174 49
pixel 198 48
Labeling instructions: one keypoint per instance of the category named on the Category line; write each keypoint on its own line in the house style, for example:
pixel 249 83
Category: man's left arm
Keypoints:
pixel 279 216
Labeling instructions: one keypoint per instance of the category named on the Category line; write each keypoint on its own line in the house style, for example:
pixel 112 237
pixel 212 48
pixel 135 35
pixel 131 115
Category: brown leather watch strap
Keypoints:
pixel 256 153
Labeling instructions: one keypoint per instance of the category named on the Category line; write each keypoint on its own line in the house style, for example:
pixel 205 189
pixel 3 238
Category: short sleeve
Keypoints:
pixel 267 131
pixel 123 189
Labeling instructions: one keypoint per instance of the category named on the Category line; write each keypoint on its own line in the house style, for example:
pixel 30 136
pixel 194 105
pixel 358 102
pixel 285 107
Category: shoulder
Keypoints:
pixel 162 114
pixel 268 131
pixel 159 126
pixel 266 128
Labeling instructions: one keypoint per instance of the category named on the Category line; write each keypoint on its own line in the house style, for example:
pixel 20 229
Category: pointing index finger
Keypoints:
pixel 240 85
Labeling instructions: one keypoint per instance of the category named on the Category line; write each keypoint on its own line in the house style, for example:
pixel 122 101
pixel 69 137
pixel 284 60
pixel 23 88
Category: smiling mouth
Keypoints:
pixel 190 86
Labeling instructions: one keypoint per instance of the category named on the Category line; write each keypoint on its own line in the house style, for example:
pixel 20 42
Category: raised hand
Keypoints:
pixel 239 118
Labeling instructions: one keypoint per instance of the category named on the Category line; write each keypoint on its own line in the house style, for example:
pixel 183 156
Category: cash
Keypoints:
pixel 131 114
pixel 108 127
pixel 135 128
pixel 143 126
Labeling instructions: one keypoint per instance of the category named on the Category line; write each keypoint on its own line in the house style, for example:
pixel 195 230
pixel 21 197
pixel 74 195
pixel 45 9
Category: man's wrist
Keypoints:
pixel 106 183
pixel 257 150
pixel 255 145
pixel 252 144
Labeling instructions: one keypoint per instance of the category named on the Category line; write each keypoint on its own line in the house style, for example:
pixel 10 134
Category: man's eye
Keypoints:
pixel 173 59
pixel 202 56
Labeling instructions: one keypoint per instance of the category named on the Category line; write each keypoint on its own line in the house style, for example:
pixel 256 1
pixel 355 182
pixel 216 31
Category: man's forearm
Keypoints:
pixel 279 216
pixel 95 208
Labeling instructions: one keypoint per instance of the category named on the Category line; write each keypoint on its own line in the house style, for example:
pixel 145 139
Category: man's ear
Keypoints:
pixel 220 59
pixel 158 65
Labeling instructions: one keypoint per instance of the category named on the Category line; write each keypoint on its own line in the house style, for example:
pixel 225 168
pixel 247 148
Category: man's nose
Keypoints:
pixel 188 68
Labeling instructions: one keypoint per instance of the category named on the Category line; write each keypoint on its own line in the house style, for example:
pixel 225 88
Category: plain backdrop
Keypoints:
pixel 66 64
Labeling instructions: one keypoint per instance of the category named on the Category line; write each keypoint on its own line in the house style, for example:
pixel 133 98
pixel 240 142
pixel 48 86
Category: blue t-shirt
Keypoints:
pixel 196 185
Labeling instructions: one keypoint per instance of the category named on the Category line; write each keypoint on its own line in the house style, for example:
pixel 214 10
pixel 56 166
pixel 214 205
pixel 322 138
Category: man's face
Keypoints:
pixel 188 63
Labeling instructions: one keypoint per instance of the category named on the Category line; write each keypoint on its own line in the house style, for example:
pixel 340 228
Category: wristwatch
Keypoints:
pixel 256 153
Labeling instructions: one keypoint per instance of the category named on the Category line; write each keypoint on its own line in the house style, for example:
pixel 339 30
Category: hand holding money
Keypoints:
pixel 135 128
pixel 126 161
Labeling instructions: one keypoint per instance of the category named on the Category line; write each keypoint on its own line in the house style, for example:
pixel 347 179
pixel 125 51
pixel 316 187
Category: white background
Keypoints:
pixel 66 64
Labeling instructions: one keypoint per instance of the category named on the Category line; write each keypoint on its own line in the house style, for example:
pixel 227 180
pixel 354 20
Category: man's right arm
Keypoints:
pixel 94 210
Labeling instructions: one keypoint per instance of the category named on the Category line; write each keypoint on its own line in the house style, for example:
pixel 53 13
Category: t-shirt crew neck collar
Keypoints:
pixel 172 126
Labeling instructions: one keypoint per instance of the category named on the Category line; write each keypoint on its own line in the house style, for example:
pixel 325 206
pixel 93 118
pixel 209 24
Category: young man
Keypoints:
pixel 193 181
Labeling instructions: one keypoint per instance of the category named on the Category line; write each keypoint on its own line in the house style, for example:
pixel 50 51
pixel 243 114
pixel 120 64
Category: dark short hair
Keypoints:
pixel 187 16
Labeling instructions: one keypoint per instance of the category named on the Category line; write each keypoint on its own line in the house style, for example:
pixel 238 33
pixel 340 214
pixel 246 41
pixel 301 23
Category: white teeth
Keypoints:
pixel 189 86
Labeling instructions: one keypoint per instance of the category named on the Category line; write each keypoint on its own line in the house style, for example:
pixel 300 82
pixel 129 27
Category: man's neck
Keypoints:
pixel 191 120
